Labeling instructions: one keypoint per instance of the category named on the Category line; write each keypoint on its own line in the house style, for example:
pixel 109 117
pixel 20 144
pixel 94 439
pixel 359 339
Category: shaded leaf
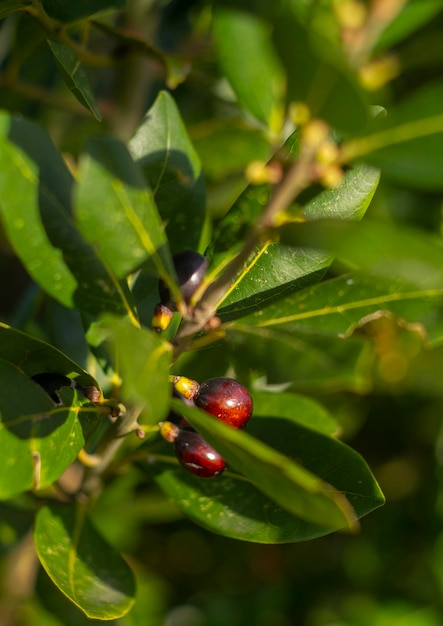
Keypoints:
pixel 412 128
pixel 299 362
pixel 318 75
pixel 72 11
pixel 246 56
pixel 411 18
pixel 172 170
pixel 34 356
pixel 39 440
pixel 81 563
pixel 74 75
pixel 35 204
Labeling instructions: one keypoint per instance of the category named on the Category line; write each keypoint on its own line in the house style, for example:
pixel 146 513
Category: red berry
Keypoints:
pixel 226 399
pixel 190 268
pixel 197 456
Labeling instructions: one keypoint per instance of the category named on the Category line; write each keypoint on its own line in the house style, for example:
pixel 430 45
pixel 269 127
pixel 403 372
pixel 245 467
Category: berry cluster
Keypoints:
pixel 224 399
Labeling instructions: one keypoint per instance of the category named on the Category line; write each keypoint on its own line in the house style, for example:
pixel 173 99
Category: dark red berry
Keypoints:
pixel 197 456
pixel 190 268
pixel 226 399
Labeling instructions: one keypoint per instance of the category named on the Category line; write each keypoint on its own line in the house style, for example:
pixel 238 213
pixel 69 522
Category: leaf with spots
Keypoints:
pixel 81 563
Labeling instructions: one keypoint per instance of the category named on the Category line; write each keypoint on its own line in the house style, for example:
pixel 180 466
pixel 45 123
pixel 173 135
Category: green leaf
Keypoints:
pixel 74 75
pixel 35 205
pixel 246 56
pixel 407 145
pixel 172 170
pixel 131 230
pixel 66 11
pixel 276 270
pixel 341 305
pixel 34 356
pixel 317 74
pixel 39 440
pixel 142 360
pixel 10 6
pixel 290 485
pixel 81 563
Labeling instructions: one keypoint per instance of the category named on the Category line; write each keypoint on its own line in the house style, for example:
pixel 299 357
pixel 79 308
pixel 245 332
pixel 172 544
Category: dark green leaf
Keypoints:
pixel 39 440
pixel 172 170
pixel 35 205
pixel 407 145
pixel 300 362
pixel 66 11
pixel 245 53
pixel 74 75
pixel 142 360
pixel 130 231
pixel 34 356
pixel 289 484
pixel 82 564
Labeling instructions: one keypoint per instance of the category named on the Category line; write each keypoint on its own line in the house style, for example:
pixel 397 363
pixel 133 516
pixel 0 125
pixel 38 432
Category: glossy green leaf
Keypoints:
pixel 341 305
pixel 10 6
pixel 275 270
pixel 132 231
pixel 81 563
pixel 407 145
pixel 34 356
pixel 306 363
pixel 172 170
pixel 286 482
pixel 39 440
pixel 66 11
pixel 74 75
pixel 317 74
pixel 142 360
pixel 246 56
pixel 35 206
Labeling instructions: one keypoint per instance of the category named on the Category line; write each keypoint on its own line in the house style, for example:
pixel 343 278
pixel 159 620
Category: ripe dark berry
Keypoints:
pixel 226 399
pixel 190 268
pixel 197 456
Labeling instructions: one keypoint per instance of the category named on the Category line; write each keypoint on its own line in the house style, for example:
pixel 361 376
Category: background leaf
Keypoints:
pixel 82 564
pixel 172 170
pixel 10 6
pixel 249 62
pixel 74 75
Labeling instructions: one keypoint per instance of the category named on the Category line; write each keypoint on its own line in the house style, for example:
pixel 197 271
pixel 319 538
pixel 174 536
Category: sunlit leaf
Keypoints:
pixel 81 563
